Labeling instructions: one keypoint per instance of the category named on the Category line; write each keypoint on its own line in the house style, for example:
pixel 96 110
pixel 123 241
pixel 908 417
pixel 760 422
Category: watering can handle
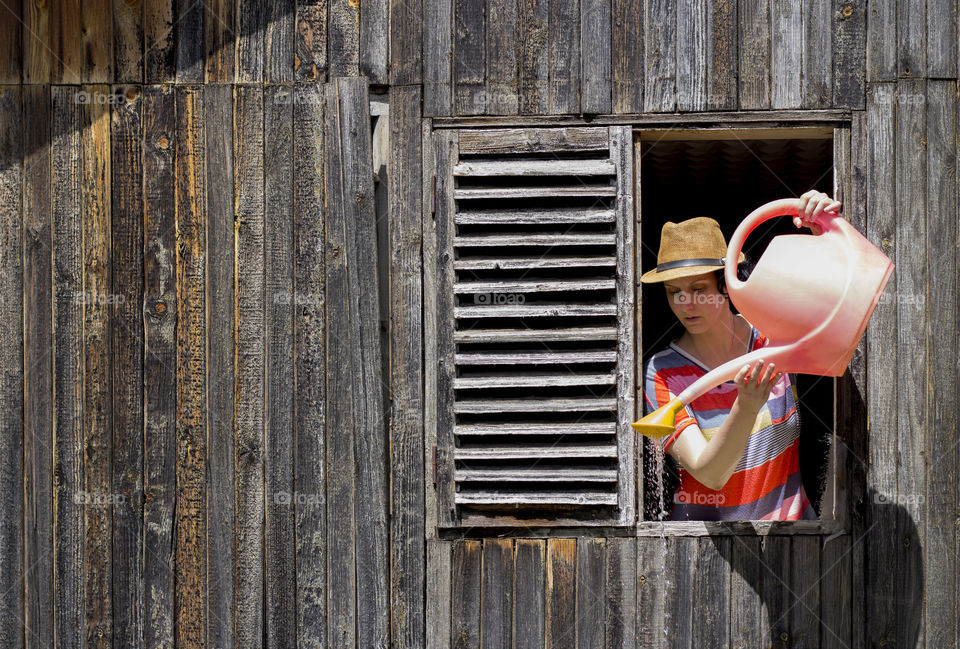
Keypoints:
pixel 771 210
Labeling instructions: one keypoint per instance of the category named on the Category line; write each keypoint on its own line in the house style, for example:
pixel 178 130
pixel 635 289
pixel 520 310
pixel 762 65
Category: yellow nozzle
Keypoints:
pixel 660 422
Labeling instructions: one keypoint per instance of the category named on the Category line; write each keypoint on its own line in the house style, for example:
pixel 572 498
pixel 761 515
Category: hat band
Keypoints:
pixel 682 263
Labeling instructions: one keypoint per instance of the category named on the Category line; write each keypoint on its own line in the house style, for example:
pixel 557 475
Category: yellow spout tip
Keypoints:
pixel 655 431
pixel 660 422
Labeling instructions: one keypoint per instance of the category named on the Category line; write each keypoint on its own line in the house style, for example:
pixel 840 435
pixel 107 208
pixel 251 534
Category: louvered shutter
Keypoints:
pixel 534 326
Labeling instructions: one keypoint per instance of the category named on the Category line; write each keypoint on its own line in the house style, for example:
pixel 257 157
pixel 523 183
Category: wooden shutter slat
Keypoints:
pixel 535 358
pixel 535 286
pixel 523 263
pixel 536 168
pixel 534 310
pixel 539 335
pixel 478 382
pixel 534 216
pixel 536 475
pixel 536 429
pixel 539 452
pixel 536 498
pixel 560 191
pixel 501 141
pixel 535 239
pixel 484 406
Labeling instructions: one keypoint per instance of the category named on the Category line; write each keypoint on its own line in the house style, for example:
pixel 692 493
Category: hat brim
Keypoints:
pixel 654 276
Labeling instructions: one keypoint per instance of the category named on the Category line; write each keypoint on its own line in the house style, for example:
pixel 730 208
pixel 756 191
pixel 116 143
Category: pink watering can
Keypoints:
pixel 812 296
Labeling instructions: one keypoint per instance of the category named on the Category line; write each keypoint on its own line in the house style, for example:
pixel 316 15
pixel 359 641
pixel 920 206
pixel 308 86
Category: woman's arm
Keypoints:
pixel 712 463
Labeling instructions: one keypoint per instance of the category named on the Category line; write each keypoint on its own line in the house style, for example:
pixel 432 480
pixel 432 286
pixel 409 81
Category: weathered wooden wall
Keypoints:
pixel 185 215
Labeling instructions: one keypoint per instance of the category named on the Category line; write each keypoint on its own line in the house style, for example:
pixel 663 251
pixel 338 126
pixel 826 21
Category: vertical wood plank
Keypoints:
pixel 249 353
pixel 711 592
pixel 882 548
pixel 38 42
pixel 159 45
pixel 221 327
pixel 37 367
pixel 11 355
pixel 128 41
pixel 67 42
pixel 591 593
pixel 221 29
pixel 560 599
pixel 941 39
pixel 940 558
pixel 97 494
pixel 310 62
pixel 528 599
pixel 11 42
pixel 438 595
pixel 627 44
pixel 595 43
pixel 465 594
pixel 407 527
pixel 251 40
pixel 373 37
pixel 660 55
pixel 651 584
pixel 190 522
pixel 805 581
pixel 343 45
pixel 533 62
pixel 910 170
pixel 278 237
pixel 816 77
pixel 881 27
pixel 563 33
pixel 849 54
pixel 126 171
pixel 745 602
pixel 786 49
pixel 680 566
pixel 405 61
pixel 309 358
pixel 279 47
pixel 189 30
pixel 437 57
pixel 755 63
pixel 621 593
pixel 691 55
pixel 722 55
pixel 469 57
pixel 97 33
pixel 911 38
pixel 837 594
pixel 496 594
pixel 68 458
pixel 501 73
pixel 775 583
pixel 159 362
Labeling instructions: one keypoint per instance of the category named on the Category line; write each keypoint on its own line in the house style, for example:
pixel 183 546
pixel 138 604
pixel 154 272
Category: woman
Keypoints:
pixel 737 445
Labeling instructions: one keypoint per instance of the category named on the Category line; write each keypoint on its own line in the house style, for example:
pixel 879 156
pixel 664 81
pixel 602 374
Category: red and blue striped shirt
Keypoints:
pixel 766 483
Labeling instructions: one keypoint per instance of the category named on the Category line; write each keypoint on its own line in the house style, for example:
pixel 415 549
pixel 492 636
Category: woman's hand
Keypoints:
pixel 812 204
pixel 754 384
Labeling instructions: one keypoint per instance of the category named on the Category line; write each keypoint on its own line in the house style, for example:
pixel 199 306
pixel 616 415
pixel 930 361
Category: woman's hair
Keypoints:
pixel 744 268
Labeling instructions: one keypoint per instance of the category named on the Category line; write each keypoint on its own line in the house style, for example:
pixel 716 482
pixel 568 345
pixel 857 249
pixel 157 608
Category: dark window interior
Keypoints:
pixel 726 179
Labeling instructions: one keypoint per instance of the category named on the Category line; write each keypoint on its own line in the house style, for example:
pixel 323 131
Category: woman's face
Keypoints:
pixel 696 301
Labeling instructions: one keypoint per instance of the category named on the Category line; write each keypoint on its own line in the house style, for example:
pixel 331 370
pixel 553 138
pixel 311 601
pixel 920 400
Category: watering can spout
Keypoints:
pixel 661 422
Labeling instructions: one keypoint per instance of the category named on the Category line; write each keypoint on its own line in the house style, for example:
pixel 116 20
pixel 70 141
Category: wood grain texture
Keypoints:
pixel 37 42
pixel 775 593
pixel 560 604
pixel 596 60
pixel 660 56
pixel 881 39
pixel 532 56
pixel 680 567
pixel 722 54
pixel 627 53
pixel 407 475
pixel 280 41
pixel 279 573
pixel 755 62
pixel 651 619
pixel 37 367
pixel 190 521
pixel 373 37
pixel 711 592
pixel 501 74
pixel 746 572
pixel 11 42
pixel 496 594
pixel 128 41
pixel 249 404
pixel 836 592
pixel 406 41
pixel 465 568
pixel 881 339
pixel 786 49
pixel 126 157
pixel 343 46
pixel 940 559
pixel 816 72
pixel 96 296
pixel 188 27
pixel 309 354
pixel 469 58
pixel 98 36
pixel 67 43
pixel 68 612
pixel 563 34
pixel 159 46
pixel 438 614
pixel 159 362
pixel 310 56
pixel 805 583
pixel 528 597
pixel 221 329
pixel 591 593
pixel 691 55
pixel 849 54
pixel 941 40
pixel 437 57
pixel 251 40
pixel 620 593
pixel 12 357
pixel 911 23
pixel 220 43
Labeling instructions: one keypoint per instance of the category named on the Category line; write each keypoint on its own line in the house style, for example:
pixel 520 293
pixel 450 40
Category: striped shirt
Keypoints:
pixel 766 483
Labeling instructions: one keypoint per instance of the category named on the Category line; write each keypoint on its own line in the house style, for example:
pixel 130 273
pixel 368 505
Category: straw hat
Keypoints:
pixel 691 247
